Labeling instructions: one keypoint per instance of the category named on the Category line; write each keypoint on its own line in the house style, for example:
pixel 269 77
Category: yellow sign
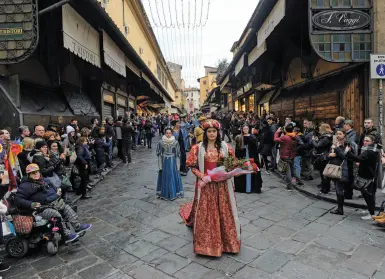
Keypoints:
pixel 11 31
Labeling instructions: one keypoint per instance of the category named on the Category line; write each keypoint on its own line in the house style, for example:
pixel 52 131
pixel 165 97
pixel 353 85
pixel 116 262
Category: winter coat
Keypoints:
pixel 83 156
pixel 266 142
pixel 127 132
pixel 100 147
pixel 46 166
pixel 23 160
pixel 368 161
pixel 288 144
pixel 148 128
pixel 226 123
pixel 30 191
pixel 340 160
pixel 371 132
pixel 322 146
pixel 307 139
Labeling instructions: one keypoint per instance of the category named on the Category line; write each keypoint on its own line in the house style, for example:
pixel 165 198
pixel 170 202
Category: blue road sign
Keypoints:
pixel 381 70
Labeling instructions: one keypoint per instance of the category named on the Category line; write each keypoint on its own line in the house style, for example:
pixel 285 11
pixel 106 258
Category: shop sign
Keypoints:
pixel 19 30
pixel 240 92
pixel 79 37
pixel 11 31
pixel 341 20
pixel 274 18
pixel 247 87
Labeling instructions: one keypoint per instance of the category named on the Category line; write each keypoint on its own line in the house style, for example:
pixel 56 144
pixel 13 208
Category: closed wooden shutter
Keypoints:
pixel 108 110
pixel 121 111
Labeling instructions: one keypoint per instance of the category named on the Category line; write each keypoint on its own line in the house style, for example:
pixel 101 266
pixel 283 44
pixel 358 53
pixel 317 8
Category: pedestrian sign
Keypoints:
pixel 377 66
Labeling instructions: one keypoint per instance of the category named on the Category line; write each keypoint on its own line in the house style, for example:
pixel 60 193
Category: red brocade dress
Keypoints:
pixel 213 213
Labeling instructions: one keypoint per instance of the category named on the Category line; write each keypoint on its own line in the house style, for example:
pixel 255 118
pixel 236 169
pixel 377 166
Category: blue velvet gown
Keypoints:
pixel 169 186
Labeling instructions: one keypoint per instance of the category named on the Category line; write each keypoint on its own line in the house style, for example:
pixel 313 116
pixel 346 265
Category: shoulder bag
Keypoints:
pixel 333 171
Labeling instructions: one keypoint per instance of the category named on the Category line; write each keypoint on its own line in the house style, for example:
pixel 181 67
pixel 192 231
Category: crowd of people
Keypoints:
pixel 298 149
pixel 61 159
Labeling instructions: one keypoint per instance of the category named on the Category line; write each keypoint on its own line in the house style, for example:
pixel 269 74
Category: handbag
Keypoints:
pixel 333 171
pixel 282 165
pixel 54 180
pixel 362 183
pixel 22 224
pixel 65 182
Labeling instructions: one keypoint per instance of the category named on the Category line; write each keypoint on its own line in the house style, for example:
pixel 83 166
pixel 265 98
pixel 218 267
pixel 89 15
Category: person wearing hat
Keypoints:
pixel 213 213
pixel 198 131
pixel 34 192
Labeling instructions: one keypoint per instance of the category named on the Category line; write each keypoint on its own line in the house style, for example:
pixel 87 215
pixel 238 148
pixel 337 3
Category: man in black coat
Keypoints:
pixel 127 134
pixel 307 164
pixel 226 127
pixel 353 140
pixel 370 130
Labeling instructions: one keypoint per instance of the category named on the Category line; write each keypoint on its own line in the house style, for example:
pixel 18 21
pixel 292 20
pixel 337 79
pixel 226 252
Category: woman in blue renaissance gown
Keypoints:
pixel 169 185
pixel 178 134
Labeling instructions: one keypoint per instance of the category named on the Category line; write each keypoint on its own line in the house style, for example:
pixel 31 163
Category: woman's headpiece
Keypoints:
pixel 167 128
pixel 211 123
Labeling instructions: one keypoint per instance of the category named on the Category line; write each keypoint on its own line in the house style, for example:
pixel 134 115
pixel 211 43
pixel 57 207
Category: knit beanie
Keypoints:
pixel 40 144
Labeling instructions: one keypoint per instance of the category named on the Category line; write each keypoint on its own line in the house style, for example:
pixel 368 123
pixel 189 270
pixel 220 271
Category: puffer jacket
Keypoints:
pixel 322 146
pixel 47 167
pixel 30 191
pixel 288 144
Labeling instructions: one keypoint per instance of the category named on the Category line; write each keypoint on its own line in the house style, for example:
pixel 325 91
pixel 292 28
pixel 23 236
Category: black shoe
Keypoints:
pixel 338 211
pixel 4 267
pixel 86 197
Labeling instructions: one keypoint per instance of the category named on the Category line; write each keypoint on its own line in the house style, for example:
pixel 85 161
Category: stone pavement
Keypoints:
pixel 135 235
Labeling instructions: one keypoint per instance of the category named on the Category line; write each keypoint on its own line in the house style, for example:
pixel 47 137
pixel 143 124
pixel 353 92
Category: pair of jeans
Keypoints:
pixel 126 151
pixel 290 172
pixel 307 166
pixel 297 165
pixel 149 140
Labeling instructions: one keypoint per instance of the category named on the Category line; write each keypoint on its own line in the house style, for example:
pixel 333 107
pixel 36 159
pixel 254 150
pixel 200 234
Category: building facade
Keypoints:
pixel 308 59
pixel 91 66
pixel 207 83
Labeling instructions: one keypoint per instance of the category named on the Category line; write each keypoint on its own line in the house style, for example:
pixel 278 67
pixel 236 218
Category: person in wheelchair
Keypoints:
pixel 35 192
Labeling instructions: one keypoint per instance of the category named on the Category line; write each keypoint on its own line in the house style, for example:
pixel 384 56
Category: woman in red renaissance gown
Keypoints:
pixel 213 213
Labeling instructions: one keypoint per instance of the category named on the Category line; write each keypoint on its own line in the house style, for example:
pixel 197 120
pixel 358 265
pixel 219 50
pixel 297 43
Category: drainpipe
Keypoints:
pixel 53 7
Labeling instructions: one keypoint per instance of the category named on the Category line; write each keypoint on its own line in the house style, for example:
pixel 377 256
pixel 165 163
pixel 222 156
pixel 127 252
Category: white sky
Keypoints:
pixel 188 46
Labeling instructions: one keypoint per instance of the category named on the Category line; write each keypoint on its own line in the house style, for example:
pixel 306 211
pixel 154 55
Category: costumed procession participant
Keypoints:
pixel 185 126
pixel 213 213
pixel 178 134
pixel 247 147
pixel 169 185
pixel 198 131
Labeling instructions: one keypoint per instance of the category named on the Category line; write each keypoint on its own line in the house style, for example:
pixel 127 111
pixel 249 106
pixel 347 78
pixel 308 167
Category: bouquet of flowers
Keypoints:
pixel 228 168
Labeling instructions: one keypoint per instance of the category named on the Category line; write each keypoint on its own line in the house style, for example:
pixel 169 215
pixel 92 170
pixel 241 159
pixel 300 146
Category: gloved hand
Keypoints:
pixel 35 205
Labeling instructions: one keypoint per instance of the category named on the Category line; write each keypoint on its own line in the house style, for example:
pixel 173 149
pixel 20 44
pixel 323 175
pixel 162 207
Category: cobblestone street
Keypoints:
pixel 136 235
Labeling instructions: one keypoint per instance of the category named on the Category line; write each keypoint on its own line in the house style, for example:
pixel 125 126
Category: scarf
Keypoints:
pixel 168 141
